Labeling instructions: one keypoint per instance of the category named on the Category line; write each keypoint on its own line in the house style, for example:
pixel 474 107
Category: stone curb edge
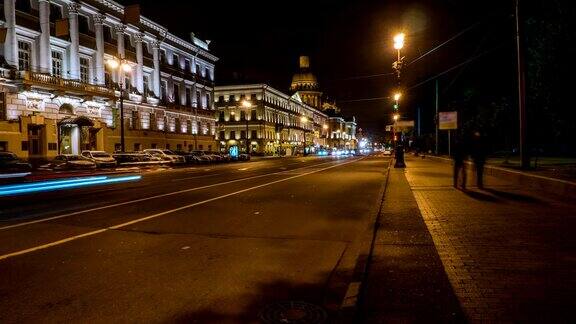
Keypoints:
pixel 350 306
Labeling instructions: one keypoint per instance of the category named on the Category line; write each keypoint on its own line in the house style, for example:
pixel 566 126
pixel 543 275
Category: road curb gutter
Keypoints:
pixel 349 311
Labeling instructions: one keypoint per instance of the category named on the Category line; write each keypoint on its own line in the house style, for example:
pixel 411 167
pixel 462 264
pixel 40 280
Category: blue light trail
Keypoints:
pixel 63 184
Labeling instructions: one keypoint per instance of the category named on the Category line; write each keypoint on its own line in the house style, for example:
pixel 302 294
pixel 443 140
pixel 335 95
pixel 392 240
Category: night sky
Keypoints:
pixel 260 41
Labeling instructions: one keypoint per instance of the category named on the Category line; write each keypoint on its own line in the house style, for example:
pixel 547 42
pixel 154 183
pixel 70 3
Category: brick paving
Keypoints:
pixel 509 252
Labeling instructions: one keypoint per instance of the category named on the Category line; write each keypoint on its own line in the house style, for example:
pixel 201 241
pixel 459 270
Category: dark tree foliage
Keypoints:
pixel 550 52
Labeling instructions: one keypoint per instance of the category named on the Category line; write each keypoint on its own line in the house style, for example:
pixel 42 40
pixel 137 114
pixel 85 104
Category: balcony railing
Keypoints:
pixel 66 85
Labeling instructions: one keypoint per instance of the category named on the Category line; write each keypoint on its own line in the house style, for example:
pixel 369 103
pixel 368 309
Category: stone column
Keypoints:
pixel 119 29
pixel 44 48
pixel 74 71
pixel 139 79
pixel 10 45
pixel 156 77
pixel 100 64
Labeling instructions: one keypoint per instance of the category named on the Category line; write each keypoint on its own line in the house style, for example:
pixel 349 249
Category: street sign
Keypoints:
pixel 404 123
pixel 448 120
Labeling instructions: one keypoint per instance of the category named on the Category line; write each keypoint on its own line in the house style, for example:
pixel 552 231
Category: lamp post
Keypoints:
pixel 114 64
pixel 398 45
pixel 304 120
pixel 246 104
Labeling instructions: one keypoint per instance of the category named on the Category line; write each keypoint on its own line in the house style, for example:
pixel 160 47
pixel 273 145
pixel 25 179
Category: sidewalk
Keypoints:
pixel 509 253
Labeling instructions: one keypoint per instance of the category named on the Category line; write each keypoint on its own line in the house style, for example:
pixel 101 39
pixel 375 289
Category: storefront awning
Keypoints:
pixel 78 120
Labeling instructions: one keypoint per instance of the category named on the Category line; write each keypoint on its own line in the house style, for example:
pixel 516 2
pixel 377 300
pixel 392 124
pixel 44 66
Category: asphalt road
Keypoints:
pixel 210 244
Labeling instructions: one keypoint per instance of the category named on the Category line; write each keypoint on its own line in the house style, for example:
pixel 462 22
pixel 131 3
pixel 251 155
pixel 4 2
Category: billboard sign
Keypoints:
pixel 448 120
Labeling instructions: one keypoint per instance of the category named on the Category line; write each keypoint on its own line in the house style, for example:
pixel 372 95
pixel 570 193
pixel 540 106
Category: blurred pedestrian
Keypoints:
pixel 478 154
pixel 459 155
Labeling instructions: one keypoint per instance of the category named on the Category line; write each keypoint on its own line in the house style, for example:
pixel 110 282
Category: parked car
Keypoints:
pixel 71 162
pixel 387 151
pixel 9 163
pixel 201 157
pixel 243 157
pixel 189 157
pixel 137 159
pixel 166 155
pixel 215 157
pixel 101 158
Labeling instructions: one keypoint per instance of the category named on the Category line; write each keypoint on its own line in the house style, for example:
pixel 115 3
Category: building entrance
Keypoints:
pixel 76 134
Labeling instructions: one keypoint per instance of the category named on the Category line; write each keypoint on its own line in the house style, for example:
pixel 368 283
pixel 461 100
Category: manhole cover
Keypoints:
pixel 293 312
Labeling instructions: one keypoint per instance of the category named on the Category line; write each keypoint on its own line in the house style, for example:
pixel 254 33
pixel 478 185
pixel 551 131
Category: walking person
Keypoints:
pixel 459 155
pixel 478 155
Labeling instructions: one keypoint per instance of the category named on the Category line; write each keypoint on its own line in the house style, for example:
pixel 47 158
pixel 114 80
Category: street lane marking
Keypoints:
pixel 139 220
pixel 196 177
pixel 153 197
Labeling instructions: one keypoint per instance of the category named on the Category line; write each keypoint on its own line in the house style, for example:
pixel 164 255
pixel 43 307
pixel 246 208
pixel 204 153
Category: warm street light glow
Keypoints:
pixel 126 67
pixel 397 96
pixel 115 64
pixel 304 119
pixel 246 104
pixel 325 126
pixel 399 41
pixel 396 116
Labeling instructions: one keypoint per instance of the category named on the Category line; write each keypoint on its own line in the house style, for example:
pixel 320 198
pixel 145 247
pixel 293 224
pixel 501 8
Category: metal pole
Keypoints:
pixel 449 143
pixel 524 157
pixel 197 128
pixel 247 142
pixel 418 121
pixel 122 144
pixel 437 121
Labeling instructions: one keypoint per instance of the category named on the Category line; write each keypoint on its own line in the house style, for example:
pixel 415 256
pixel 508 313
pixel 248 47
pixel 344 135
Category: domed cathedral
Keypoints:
pixel 305 83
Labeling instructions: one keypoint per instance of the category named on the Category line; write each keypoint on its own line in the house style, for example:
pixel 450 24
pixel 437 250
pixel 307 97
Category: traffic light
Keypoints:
pixel 395 106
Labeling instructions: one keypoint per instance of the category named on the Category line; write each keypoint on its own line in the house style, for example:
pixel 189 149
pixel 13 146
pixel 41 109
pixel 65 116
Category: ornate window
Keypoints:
pixel 24 54
pixel 57 63
pixel 84 70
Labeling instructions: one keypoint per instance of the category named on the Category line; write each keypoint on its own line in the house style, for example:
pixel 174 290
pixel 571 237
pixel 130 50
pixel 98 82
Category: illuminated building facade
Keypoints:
pixel 272 122
pixel 58 95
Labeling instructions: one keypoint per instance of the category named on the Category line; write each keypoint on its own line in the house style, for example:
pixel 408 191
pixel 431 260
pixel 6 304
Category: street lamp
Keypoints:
pixel 398 45
pixel 115 64
pixel 246 104
pixel 304 120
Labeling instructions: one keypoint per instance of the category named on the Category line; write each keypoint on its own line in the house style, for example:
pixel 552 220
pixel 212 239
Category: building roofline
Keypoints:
pixel 199 46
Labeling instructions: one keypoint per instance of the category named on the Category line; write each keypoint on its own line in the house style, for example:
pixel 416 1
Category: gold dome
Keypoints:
pixel 304 81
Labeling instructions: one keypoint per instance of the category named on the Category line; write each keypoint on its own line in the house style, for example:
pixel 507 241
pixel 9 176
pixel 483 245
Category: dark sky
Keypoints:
pixel 260 41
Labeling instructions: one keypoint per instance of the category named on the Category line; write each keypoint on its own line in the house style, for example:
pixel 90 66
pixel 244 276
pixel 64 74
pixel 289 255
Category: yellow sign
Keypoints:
pixel 448 120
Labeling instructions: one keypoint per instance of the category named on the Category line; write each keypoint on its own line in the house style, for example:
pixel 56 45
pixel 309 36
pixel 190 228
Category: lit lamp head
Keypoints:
pixel 399 41
pixel 115 64
pixel 397 96
pixel 396 117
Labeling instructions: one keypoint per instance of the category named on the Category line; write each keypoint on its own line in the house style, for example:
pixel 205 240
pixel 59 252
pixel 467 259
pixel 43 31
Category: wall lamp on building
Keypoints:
pixel 115 64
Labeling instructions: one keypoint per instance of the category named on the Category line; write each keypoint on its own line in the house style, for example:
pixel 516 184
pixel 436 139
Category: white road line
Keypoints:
pixel 150 198
pixel 115 227
pixel 196 177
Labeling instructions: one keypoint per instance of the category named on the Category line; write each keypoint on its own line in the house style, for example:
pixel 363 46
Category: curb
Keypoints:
pixel 349 310
pixel 550 185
